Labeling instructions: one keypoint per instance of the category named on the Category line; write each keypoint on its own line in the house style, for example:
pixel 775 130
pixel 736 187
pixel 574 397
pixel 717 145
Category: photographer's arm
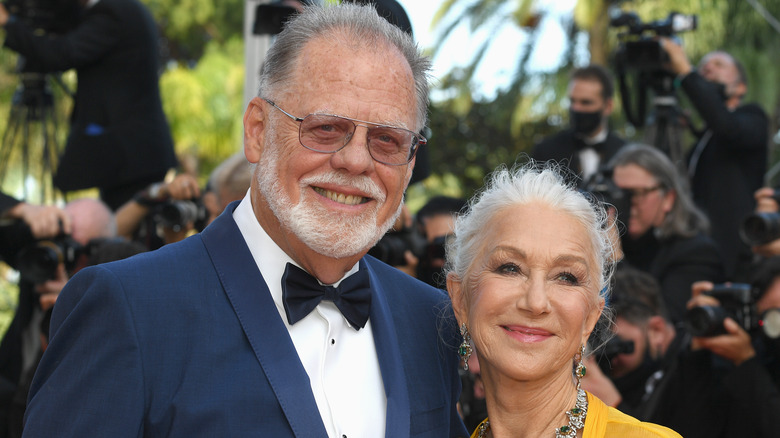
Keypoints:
pixel 130 215
pixel 742 129
pixel 43 220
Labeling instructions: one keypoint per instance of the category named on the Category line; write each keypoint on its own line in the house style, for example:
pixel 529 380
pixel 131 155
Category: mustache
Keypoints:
pixel 361 183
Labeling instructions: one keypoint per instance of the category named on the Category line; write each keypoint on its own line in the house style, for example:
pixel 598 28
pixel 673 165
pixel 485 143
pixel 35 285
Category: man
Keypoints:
pixel 41 277
pixel 119 139
pixel 588 142
pixel 436 220
pixel 214 336
pixel 728 162
pixel 641 318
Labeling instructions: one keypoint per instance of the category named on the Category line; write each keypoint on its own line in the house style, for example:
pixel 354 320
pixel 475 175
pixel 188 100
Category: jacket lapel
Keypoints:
pixel 390 360
pixel 247 291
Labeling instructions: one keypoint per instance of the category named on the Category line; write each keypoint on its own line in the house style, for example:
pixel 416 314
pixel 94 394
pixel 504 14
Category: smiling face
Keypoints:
pixel 531 298
pixel 333 205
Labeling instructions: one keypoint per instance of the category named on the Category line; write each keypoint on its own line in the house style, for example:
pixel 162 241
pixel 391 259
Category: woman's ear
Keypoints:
pixel 592 319
pixel 455 289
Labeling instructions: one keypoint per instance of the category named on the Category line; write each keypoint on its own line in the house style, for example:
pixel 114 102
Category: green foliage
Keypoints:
pixel 204 104
pixel 472 136
pixel 188 26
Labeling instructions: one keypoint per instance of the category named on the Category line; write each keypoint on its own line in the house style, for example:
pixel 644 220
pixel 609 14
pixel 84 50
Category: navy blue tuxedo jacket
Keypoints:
pixel 186 341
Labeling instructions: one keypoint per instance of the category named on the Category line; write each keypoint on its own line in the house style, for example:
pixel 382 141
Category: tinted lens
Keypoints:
pixel 324 133
pixel 390 145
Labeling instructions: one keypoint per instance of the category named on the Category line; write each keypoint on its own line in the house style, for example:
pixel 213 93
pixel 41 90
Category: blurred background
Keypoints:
pixel 501 73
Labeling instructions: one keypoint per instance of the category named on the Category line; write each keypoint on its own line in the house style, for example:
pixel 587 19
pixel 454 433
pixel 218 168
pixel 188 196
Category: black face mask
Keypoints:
pixel 584 123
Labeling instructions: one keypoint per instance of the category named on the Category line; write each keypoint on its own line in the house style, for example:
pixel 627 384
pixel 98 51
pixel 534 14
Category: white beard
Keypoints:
pixel 324 231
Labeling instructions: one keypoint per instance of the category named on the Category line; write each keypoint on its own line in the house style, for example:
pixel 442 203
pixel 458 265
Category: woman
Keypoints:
pixel 667 234
pixel 525 271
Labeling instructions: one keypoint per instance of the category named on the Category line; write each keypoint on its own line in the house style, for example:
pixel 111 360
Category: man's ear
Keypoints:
pixel 455 289
pixel 254 129
pixel 609 106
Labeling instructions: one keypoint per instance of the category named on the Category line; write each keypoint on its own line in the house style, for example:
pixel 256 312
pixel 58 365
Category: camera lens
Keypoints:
pixel 770 323
pixel 38 263
pixel 705 321
pixel 760 228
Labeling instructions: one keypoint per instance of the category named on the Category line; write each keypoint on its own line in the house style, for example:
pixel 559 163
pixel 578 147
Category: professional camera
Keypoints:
pixel 737 301
pixel 761 228
pixel 612 348
pixel 50 16
pixel 37 262
pixel 391 248
pixel 601 187
pixel 176 214
pixel 640 49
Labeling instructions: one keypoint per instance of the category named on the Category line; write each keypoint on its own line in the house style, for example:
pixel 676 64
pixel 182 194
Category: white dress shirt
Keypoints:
pixel 341 363
pixel 589 158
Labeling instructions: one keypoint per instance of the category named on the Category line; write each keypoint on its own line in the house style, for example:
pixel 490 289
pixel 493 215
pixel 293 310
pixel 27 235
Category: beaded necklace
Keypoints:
pixel 576 419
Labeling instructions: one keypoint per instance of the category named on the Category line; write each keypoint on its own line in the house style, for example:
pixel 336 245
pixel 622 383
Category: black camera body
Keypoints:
pixel 38 261
pixel 760 228
pixel 49 16
pixel 176 214
pixel 737 301
pixel 602 188
pixel 393 245
pixel 640 49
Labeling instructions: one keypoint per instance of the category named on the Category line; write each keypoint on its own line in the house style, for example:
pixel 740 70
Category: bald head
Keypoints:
pixel 90 219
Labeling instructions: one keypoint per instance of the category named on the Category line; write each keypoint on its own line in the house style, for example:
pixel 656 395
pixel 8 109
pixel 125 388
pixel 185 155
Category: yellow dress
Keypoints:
pixel 603 421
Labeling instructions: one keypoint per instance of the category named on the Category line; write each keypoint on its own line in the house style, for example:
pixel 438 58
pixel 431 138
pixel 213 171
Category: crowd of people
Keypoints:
pixel 262 303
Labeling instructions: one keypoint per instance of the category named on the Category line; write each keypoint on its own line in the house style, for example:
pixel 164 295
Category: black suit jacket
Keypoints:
pixel 676 263
pixel 564 148
pixel 119 133
pixel 731 166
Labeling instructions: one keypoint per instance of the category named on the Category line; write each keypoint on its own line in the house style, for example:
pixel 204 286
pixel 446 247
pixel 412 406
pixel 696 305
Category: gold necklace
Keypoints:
pixel 576 419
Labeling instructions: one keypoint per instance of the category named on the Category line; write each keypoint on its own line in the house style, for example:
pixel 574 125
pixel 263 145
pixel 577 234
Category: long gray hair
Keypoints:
pixel 684 219
pixel 359 26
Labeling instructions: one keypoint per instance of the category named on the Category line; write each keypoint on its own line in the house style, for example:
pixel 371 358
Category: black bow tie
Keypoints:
pixel 301 293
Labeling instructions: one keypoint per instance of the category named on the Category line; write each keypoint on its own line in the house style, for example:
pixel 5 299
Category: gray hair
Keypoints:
pixel 358 26
pixel 522 185
pixel 234 175
pixel 684 219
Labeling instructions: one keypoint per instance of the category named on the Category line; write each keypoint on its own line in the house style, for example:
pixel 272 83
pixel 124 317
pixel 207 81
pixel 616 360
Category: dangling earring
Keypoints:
pixel 464 351
pixel 579 370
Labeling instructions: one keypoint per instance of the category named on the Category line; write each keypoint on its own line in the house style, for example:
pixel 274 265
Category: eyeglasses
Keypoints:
pixel 642 192
pixel 329 134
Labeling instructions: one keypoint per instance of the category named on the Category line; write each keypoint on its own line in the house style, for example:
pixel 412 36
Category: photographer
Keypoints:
pixel 728 162
pixel 666 232
pixel 42 276
pixel 138 219
pixel 119 139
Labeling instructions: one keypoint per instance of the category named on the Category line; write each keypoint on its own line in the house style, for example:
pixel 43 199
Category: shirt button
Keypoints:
pixel 333 341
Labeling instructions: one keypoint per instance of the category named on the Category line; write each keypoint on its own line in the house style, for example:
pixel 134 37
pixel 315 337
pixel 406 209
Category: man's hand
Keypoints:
pixel 735 345
pixel 183 187
pixel 678 60
pixel 50 290
pixel 765 200
pixel 43 220
pixel 4 15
